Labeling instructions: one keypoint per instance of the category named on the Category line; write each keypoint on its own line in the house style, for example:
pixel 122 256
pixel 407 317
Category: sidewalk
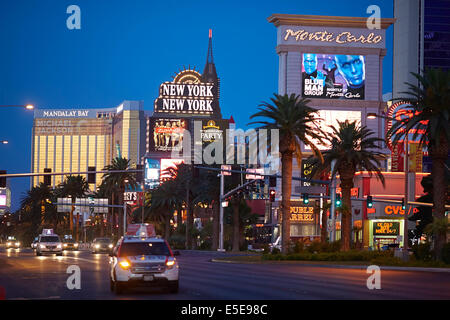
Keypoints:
pixel 326 264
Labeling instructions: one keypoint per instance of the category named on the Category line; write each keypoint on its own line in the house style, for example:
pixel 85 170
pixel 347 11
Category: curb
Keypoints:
pixel 361 267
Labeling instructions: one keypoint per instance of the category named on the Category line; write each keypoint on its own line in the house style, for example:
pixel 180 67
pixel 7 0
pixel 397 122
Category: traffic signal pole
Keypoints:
pixel 222 187
pixel 333 203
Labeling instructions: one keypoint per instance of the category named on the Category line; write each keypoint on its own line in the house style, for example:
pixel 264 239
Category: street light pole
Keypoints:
pixel 222 187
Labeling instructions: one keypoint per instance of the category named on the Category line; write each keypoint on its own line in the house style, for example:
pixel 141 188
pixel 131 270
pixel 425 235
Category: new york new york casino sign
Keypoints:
pixel 187 94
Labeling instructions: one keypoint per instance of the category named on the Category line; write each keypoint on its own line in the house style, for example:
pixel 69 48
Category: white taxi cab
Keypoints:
pixel 139 260
pixel 49 242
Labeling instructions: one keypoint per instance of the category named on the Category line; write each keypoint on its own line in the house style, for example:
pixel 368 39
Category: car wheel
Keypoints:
pixel 173 287
pixel 38 253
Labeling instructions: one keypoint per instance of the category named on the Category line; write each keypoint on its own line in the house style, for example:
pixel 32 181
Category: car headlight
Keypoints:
pixel 97 246
pixel 42 246
pixel 76 244
pixel 110 246
pixel 8 243
pixel 65 244
pixel 59 246
pixel 170 262
pixel 124 264
pixel 17 243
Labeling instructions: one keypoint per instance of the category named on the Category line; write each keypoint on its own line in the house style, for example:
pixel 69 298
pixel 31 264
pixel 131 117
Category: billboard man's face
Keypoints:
pixel 309 62
pixel 351 68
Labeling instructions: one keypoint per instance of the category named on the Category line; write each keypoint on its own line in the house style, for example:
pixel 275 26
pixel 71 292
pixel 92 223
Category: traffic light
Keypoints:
pixel 272 195
pixel 272 182
pixel 2 180
pixel 228 219
pixel 91 176
pixel 139 174
pixel 369 202
pixel 305 198
pixel 403 204
pixel 47 178
pixel 338 200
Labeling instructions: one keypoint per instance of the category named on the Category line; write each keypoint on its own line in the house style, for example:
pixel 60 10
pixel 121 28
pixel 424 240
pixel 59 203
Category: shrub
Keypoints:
pixel 446 253
pixel 422 251
pixel 276 251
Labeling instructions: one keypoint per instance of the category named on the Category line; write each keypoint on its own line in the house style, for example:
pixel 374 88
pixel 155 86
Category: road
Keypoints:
pixel 25 276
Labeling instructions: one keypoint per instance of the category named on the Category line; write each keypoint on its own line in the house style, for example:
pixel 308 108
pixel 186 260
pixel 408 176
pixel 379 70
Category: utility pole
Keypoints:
pixel 222 187
pixel 333 202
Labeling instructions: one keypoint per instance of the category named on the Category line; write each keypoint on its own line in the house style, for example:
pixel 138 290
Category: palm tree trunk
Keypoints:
pixel 346 213
pixel 121 214
pixel 286 190
pixel 324 231
pixel 439 155
pixel 236 228
pixel 166 227
pixel 76 227
pixel 188 221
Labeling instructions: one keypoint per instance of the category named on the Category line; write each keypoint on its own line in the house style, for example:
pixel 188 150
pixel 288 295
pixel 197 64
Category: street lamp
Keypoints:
pixel 4 141
pixel 406 167
pixel 26 106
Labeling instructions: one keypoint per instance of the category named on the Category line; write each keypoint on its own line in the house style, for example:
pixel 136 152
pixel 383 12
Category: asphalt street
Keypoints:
pixel 26 276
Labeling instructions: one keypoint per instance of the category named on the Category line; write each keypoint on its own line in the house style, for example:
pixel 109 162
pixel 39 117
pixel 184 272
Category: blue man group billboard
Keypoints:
pixel 331 76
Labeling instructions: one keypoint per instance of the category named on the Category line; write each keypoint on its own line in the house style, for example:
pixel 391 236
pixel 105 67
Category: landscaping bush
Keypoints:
pixel 276 251
pixel 177 241
pixel 422 251
pixel 446 253
pixel 332 256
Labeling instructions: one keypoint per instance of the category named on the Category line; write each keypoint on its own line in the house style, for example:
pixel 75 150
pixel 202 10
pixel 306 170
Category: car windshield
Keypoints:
pixel 144 248
pixel 69 241
pixel 49 239
pixel 103 240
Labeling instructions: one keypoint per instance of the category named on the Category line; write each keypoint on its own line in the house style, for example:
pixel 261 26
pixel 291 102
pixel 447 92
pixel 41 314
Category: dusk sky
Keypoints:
pixel 126 49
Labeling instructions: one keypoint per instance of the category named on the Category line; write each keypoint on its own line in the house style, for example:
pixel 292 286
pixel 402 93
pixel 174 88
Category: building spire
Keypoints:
pixel 209 73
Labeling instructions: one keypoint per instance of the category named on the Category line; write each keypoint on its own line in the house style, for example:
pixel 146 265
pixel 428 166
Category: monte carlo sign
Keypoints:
pixel 187 94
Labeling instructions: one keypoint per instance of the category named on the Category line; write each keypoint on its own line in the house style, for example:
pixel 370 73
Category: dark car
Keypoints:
pixel 102 245
pixel 70 244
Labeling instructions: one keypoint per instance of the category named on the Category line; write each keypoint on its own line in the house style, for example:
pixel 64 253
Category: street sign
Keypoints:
pixel 254 177
pixel 226 167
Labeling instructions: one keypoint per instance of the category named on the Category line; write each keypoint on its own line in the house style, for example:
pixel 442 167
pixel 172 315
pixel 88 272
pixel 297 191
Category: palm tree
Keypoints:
pixel 164 201
pixel 354 148
pixel 115 182
pixel 296 122
pixel 37 206
pixel 73 187
pixel 183 179
pixel 429 110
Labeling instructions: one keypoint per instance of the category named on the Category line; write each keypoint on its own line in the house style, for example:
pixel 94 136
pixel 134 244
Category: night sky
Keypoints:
pixel 126 49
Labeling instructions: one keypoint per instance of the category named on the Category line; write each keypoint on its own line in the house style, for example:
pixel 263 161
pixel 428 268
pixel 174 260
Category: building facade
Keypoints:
pixel 74 140
pixel 337 63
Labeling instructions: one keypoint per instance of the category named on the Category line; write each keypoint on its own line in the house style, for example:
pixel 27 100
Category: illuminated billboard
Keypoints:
pixel 166 134
pixel 152 173
pixel 329 76
pixel 212 131
pixel 168 163
pixel 328 118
